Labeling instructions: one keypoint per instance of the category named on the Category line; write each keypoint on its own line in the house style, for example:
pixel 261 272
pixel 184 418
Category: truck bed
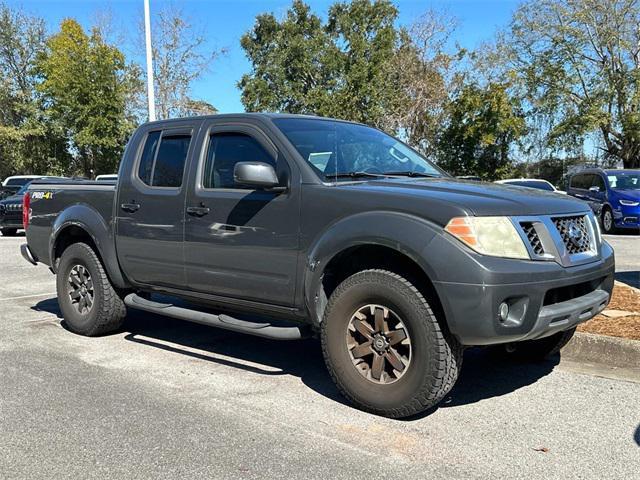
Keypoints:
pixel 49 199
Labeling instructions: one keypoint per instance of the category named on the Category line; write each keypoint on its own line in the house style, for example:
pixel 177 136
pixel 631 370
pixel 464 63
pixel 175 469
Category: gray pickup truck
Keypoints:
pixel 287 226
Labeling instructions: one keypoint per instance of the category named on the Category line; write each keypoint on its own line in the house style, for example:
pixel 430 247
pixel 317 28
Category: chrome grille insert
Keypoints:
pixel 532 235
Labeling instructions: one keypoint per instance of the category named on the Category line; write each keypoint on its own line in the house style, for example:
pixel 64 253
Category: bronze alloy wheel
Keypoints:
pixel 379 344
pixel 80 289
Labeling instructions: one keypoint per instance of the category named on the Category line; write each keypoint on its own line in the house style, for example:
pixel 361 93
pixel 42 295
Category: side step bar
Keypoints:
pixel 265 330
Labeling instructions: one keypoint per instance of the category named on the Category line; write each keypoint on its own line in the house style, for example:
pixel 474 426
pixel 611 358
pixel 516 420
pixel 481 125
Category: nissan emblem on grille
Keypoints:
pixel 574 233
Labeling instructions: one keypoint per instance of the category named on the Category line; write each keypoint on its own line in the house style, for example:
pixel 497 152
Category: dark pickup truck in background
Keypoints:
pixel 323 227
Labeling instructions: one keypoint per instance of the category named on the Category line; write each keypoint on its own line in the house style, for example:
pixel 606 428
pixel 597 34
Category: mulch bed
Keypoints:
pixel 624 299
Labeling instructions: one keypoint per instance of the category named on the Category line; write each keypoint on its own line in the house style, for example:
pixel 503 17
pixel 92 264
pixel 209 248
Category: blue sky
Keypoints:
pixel 224 21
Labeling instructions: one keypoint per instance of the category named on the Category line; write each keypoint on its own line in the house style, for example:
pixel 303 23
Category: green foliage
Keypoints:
pixel 341 68
pixel 482 125
pixel 578 67
pixel 29 141
pixel 85 86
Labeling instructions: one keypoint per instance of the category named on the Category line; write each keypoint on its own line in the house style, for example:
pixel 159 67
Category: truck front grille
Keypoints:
pixel 574 233
pixel 534 240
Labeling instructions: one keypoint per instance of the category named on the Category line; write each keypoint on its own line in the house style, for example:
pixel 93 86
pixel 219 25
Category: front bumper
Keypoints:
pixel 10 218
pixel 543 297
pixel 625 216
pixel 11 223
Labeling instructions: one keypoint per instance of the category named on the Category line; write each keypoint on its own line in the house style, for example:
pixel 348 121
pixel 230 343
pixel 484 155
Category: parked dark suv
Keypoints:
pixel 614 195
pixel 11 208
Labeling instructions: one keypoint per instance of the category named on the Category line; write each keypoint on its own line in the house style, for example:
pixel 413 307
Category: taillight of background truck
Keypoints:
pixel 26 210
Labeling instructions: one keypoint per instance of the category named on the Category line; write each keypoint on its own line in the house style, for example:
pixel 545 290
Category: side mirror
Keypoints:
pixel 255 174
pixel 594 189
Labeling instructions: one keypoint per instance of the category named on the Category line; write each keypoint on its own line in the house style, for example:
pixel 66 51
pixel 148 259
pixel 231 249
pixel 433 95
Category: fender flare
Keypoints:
pixel 407 234
pixel 91 221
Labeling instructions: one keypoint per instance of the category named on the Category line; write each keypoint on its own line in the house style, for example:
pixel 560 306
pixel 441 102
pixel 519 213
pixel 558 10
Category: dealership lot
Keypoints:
pixel 627 248
pixel 167 399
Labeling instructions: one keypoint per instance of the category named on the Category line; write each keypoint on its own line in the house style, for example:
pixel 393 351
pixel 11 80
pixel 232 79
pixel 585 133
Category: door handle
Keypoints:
pixel 130 207
pixel 198 211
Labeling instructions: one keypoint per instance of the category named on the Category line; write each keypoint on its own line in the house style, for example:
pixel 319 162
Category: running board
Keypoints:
pixel 265 329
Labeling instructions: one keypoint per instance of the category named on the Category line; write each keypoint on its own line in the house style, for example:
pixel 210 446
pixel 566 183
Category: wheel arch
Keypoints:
pixel 82 223
pixel 400 244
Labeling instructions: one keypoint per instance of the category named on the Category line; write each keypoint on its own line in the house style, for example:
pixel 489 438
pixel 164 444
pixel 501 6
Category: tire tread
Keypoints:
pixel 447 351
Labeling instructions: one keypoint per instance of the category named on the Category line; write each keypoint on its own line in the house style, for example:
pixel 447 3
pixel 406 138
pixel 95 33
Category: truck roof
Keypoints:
pixel 263 115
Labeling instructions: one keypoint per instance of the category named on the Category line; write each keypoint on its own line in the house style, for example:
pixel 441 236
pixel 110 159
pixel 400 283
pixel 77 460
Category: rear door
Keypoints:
pixel 150 207
pixel 243 242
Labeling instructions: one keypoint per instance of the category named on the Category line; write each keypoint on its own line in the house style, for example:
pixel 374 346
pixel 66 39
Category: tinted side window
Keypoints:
pixel 224 151
pixel 148 155
pixel 579 181
pixel 598 181
pixel 170 160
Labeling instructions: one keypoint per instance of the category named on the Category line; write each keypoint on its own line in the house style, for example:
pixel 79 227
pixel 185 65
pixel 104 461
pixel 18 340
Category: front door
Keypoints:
pixel 150 208
pixel 241 242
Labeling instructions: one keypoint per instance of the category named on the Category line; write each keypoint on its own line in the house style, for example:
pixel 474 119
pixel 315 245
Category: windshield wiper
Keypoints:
pixel 354 175
pixel 410 173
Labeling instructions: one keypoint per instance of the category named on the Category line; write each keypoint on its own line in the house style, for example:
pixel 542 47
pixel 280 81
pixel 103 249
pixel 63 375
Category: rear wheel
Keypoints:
pixel 537 350
pixel 608 225
pixel 384 347
pixel 89 303
pixel 9 232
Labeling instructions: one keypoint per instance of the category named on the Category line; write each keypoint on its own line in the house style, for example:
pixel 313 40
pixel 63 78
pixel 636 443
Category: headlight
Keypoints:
pixel 494 236
pixel 629 203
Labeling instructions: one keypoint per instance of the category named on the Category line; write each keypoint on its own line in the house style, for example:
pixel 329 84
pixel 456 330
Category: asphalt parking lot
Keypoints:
pixel 627 248
pixel 166 399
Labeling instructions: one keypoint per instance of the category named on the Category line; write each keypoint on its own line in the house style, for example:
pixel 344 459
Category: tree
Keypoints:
pixel 292 70
pixel 578 64
pixel 180 57
pixel 483 124
pixel 364 44
pixel 425 76
pixel 85 86
pixel 340 68
pixel 29 142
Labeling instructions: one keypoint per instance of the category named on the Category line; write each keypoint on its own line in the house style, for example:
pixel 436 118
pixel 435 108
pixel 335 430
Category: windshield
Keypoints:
pixel 14 182
pixel 541 185
pixel 338 149
pixel 624 180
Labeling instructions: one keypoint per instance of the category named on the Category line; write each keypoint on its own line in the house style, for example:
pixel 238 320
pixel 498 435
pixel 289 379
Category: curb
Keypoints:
pixel 603 350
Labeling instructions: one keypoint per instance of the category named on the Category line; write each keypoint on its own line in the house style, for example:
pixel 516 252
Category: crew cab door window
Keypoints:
pixel 224 152
pixel 163 159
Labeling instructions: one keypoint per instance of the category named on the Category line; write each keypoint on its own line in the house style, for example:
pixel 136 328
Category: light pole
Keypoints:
pixel 147 36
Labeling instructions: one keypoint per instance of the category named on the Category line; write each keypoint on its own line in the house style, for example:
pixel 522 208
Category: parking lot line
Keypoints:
pixel 28 296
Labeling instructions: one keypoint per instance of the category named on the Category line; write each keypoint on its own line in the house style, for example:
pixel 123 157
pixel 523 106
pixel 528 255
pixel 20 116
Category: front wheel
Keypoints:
pixel 9 232
pixel 89 303
pixel 384 347
pixel 608 225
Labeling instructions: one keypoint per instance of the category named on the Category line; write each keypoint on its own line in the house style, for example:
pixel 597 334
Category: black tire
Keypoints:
pixel 9 232
pixel 436 357
pixel 606 220
pixel 107 310
pixel 537 350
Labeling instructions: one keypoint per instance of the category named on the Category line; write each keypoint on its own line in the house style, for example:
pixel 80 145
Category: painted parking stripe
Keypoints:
pixel 28 296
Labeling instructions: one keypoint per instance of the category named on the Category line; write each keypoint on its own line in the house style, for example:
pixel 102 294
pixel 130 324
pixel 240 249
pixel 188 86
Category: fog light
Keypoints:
pixel 503 311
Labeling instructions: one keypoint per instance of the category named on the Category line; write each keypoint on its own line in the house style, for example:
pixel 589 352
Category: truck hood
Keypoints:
pixel 476 198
